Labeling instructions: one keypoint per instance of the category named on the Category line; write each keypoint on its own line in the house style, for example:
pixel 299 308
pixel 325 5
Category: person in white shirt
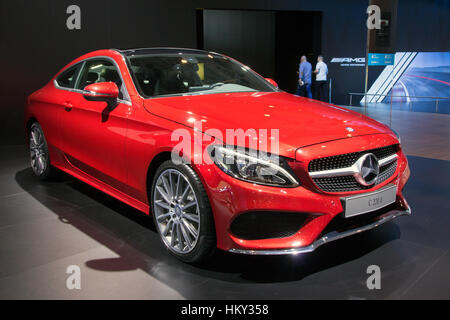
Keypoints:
pixel 321 79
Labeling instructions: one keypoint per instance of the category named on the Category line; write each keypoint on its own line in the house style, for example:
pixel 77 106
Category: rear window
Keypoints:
pixel 68 77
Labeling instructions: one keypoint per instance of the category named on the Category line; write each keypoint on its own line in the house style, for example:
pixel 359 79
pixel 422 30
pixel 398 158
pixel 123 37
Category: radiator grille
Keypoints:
pixel 349 183
pixel 346 160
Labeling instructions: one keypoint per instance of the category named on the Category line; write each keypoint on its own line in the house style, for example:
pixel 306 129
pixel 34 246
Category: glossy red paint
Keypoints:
pixel 102 89
pixel 272 82
pixel 113 149
pixel 301 122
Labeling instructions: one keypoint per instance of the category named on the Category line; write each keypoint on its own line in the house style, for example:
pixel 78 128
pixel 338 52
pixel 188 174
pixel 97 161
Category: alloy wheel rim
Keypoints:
pixel 176 211
pixel 38 152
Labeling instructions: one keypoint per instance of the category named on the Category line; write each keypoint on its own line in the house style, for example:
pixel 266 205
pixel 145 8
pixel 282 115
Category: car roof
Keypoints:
pixel 161 50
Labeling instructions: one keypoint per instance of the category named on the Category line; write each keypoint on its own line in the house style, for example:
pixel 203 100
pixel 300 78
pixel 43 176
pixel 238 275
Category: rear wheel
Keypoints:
pixel 39 155
pixel 182 213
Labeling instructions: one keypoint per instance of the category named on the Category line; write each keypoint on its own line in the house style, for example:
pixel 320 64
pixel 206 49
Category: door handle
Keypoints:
pixel 67 106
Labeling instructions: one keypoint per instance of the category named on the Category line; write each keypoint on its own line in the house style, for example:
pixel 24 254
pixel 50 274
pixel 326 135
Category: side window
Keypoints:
pixel 100 70
pixel 68 77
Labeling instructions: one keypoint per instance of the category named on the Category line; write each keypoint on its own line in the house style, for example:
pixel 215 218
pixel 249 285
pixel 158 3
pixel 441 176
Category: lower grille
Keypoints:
pixel 258 225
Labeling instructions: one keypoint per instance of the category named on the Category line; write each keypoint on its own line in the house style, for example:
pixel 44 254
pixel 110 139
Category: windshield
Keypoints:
pixel 184 74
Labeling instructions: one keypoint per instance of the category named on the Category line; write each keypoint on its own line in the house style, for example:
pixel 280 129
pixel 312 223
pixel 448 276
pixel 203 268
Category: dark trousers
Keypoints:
pixel 304 90
pixel 320 91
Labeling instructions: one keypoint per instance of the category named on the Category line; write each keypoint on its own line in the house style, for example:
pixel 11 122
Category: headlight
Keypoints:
pixel 398 136
pixel 247 166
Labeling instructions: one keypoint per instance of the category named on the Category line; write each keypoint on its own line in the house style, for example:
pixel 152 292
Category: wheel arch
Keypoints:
pixel 28 125
pixel 151 170
pixel 153 166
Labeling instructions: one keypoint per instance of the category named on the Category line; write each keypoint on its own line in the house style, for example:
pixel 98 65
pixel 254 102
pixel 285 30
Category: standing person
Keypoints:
pixel 321 79
pixel 304 78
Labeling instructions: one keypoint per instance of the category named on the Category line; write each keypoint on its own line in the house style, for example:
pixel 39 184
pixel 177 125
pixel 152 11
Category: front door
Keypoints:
pixel 94 132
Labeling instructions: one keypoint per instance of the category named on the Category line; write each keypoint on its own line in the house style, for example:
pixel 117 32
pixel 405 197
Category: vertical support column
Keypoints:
pixel 329 92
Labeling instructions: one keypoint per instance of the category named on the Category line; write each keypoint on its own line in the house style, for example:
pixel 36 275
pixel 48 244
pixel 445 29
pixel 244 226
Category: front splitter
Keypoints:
pixel 329 237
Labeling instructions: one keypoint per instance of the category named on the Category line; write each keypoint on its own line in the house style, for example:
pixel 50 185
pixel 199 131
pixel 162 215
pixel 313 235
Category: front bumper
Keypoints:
pixel 231 198
pixel 328 237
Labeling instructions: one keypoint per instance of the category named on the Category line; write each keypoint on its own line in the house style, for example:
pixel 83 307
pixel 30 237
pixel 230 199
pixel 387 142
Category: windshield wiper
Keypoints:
pixel 217 84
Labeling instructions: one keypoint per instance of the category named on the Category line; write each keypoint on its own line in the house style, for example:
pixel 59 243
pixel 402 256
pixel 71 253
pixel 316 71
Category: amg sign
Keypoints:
pixel 350 62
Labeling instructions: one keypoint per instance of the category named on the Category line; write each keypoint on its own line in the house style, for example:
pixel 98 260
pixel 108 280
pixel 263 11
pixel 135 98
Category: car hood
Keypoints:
pixel 300 121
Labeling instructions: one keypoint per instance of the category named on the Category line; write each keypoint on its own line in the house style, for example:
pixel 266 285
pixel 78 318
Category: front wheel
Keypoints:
pixel 39 155
pixel 182 213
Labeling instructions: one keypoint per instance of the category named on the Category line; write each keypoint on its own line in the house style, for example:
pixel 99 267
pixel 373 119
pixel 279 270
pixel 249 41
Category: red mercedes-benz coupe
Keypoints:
pixel 293 174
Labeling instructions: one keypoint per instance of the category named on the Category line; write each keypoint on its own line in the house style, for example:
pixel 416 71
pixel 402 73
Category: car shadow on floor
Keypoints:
pixel 132 236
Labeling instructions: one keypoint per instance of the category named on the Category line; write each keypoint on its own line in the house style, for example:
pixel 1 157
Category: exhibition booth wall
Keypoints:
pixel 36 42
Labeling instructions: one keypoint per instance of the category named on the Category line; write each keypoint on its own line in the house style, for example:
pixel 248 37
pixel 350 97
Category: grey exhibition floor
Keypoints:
pixel 45 227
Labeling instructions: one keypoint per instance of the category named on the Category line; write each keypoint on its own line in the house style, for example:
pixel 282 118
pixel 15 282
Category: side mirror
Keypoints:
pixel 101 91
pixel 272 82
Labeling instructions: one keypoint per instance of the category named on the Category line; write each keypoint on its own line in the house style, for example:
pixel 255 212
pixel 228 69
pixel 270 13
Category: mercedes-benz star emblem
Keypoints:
pixel 368 169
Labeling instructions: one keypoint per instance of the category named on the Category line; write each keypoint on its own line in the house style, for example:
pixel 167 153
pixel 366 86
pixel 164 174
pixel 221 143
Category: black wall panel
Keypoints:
pixel 35 43
pixel 255 46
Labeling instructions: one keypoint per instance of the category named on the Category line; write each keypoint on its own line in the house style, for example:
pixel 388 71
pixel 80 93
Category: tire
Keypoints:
pixel 39 155
pixel 176 210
